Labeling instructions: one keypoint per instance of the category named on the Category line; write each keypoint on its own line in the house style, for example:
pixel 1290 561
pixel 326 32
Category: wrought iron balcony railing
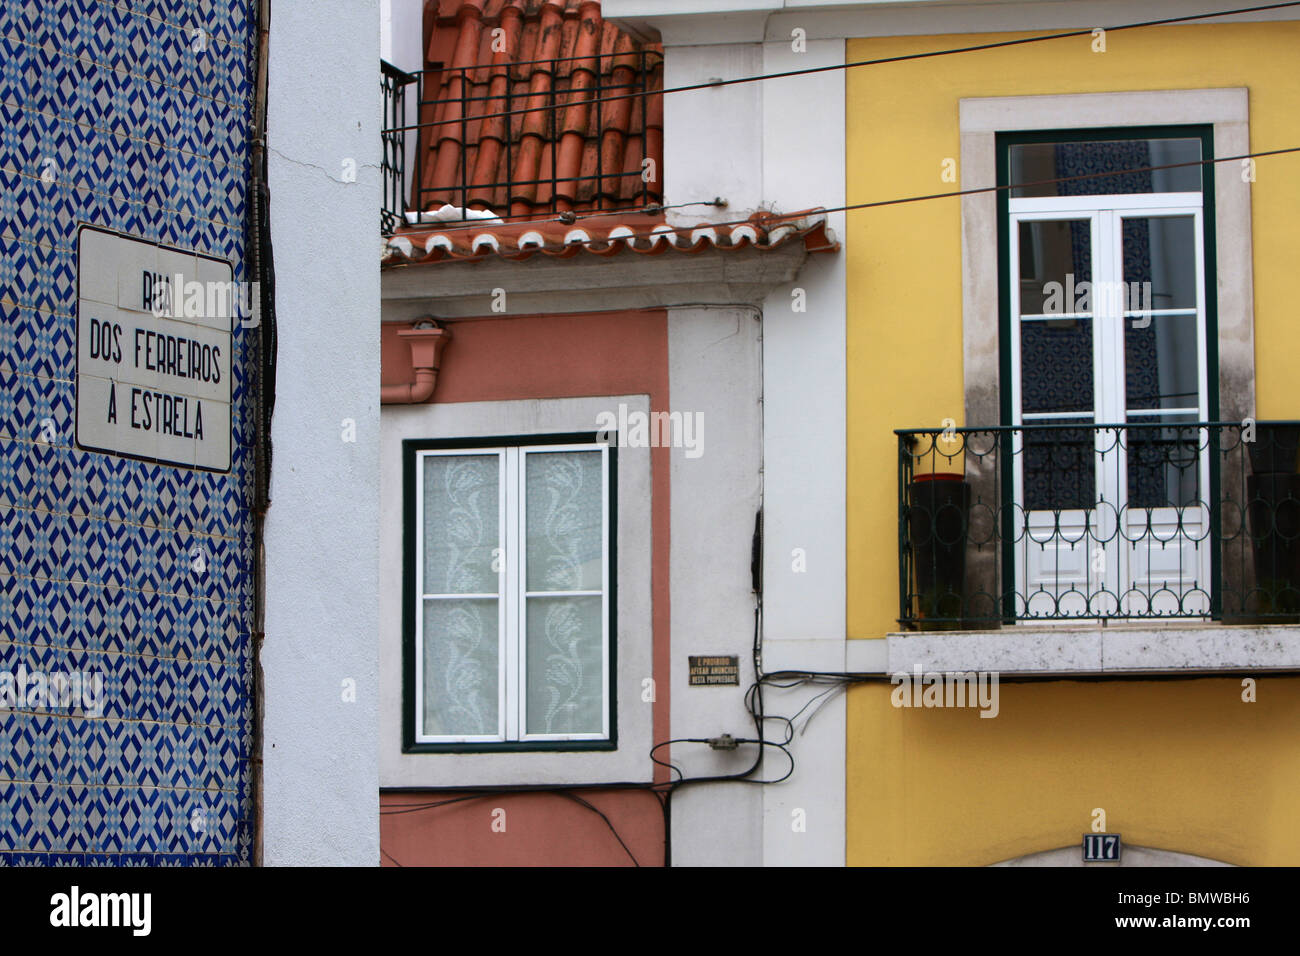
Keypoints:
pixel 394 82
pixel 1082 521
pixel 592 113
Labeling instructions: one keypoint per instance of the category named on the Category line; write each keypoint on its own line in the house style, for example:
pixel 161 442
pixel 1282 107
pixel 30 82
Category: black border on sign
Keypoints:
pixel 1119 847
pixel 230 384
pixel 690 665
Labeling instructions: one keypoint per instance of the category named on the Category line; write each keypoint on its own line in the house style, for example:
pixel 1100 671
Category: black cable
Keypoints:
pixel 666 803
pixel 259 265
pixel 567 791
pixel 852 207
pixel 596 810
pixel 811 700
pixel 669 766
pixel 754 703
pixel 662 790
pixel 412 808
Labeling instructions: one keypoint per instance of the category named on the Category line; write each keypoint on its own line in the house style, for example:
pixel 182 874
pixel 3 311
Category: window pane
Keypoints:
pixel 1163 464
pixel 1160 362
pixel 1159 262
pixel 1056 278
pixel 461 674
pixel 1056 366
pixel 1036 162
pixel 565 666
pixel 564 493
pixel 461 523
pixel 1055 264
pixel 1060 468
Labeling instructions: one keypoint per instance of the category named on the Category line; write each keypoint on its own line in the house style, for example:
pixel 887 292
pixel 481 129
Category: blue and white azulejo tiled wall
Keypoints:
pixel 131 116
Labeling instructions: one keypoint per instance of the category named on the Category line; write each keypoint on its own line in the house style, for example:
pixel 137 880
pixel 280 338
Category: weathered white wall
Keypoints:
pixel 777 145
pixel 401 33
pixel 401 41
pixel 713 147
pixel 320 752
pixel 714 361
pixel 804 455
pixel 712 141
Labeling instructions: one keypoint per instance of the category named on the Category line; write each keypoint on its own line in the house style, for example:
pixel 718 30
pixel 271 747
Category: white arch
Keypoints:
pixel 1131 856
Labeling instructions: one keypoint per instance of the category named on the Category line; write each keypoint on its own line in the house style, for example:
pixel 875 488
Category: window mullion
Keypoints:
pixel 606 636
pixel 510 591
pixel 519 560
pixel 418 682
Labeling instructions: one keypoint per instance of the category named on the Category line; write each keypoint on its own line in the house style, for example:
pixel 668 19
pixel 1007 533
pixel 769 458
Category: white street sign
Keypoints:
pixel 153 351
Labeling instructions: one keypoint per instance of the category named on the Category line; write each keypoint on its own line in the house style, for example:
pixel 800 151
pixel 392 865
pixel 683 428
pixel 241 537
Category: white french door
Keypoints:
pixel 1108 378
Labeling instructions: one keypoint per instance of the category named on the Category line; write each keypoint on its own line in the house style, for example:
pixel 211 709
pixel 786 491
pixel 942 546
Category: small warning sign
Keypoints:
pixel 715 670
pixel 153 351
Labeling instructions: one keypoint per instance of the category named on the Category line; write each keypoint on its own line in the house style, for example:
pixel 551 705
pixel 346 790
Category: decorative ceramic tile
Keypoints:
pixel 129 116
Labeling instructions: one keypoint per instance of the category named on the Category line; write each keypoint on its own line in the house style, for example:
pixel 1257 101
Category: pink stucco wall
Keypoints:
pixel 553 356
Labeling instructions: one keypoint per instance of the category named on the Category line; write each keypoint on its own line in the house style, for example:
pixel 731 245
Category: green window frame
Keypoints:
pixel 518 717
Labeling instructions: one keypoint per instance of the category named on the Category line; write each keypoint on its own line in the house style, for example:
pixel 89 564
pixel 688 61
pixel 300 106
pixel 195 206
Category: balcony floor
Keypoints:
pixel 1062 650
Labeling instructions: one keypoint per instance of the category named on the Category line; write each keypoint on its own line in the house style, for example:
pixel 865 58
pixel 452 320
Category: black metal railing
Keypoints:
pixel 539 115
pixel 394 82
pixel 1080 521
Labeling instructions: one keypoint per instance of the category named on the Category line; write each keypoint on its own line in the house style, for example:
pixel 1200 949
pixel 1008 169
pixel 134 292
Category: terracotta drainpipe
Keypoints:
pixel 426 342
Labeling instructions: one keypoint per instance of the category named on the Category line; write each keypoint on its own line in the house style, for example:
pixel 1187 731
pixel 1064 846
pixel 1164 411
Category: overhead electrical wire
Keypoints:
pixel 806 71
pixel 573 217
pixel 851 207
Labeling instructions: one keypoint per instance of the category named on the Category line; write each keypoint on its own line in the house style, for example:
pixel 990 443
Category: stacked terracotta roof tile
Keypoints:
pixel 550 57
pixel 604 236
pixel 565 176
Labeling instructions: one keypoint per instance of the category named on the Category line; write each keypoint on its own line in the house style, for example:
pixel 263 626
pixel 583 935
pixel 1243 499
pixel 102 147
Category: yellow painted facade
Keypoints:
pixel 1182 765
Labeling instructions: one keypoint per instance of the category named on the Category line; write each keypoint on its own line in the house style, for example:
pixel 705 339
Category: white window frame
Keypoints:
pixel 1104 214
pixel 512 651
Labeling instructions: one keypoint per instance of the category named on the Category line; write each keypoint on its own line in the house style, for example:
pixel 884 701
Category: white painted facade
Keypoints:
pixel 711 22
pixel 758 145
pixel 401 33
pixel 320 658
pixel 714 358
